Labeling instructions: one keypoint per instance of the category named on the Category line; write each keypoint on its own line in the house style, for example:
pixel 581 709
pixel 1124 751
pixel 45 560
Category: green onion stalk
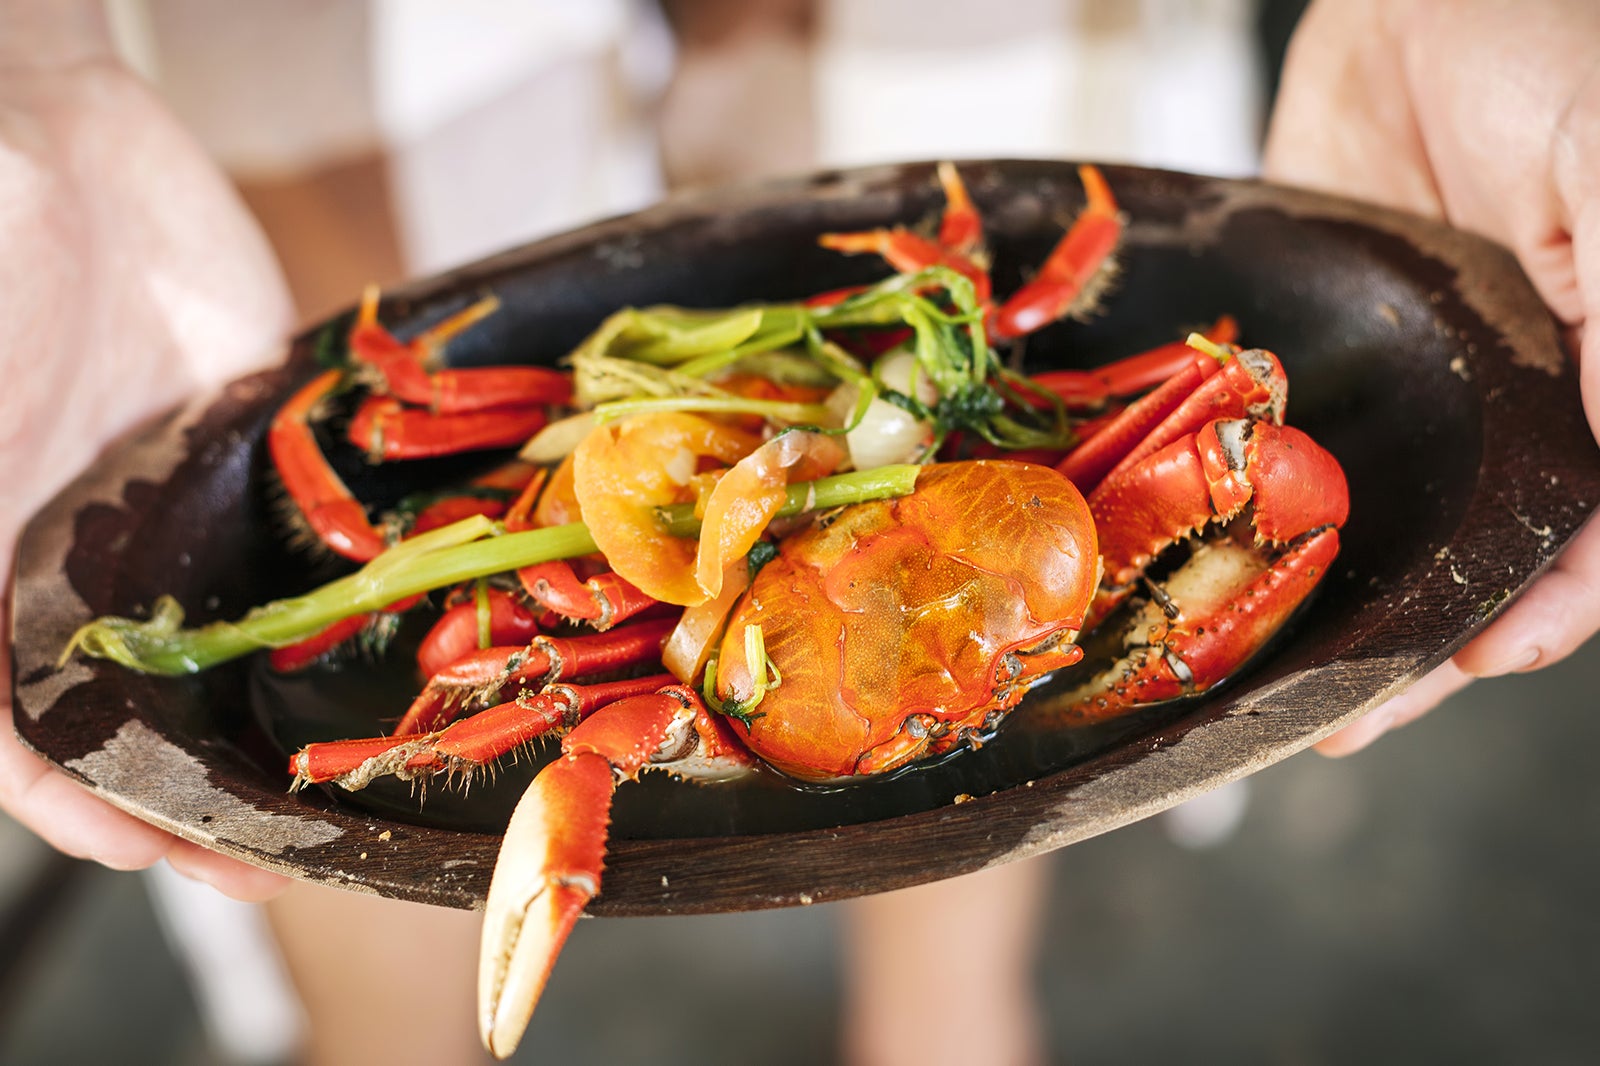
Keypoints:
pixel 467 550
pixel 665 358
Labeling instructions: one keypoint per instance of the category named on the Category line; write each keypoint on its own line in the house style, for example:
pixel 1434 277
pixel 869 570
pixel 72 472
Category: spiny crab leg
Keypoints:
pixel 603 600
pixel 304 653
pixel 332 513
pixel 464 747
pixel 386 429
pixel 404 369
pixel 554 850
pixel 542 661
pixel 1067 282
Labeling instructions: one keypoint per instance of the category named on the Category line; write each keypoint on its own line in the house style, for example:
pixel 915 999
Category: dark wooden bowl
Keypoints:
pixel 1420 356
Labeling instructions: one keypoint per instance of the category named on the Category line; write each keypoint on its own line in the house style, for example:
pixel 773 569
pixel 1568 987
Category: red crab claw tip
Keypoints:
pixel 548 870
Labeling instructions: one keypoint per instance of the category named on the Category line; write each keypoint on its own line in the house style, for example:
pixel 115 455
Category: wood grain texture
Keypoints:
pixel 1419 356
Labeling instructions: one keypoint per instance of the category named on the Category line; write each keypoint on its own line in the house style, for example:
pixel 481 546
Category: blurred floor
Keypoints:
pixel 1427 901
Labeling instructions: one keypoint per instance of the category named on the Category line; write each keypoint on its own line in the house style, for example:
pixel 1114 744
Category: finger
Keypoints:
pixel 1343 122
pixel 1446 680
pixel 1548 622
pixel 240 880
pixel 74 821
pixel 67 816
pixel 62 812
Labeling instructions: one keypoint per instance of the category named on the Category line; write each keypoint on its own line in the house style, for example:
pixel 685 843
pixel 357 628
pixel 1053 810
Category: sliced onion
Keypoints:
pixel 747 497
pixel 621 475
pixel 697 632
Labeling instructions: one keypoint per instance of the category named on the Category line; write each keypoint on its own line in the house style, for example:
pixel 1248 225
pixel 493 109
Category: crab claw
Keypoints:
pixel 554 850
pixel 548 871
pixel 1268 503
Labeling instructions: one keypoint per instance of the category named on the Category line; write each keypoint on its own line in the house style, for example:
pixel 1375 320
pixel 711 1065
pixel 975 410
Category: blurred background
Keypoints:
pixel 1427 900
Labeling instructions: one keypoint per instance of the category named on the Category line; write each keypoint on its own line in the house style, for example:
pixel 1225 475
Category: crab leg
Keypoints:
pixel 1087 464
pixel 550 863
pixel 462 747
pixel 1065 283
pixel 1080 389
pixel 402 370
pixel 453 509
pixel 332 513
pixel 960 236
pixel 1250 384
pixel 455 634
pixel 961 227
pixel 909 253
pixel 603 600
pixel 542 660
pixel 303 653
pixel 386 429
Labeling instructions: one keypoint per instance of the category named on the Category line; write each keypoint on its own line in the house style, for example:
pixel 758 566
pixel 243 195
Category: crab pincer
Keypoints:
pixel 550 864
pixel 1266 501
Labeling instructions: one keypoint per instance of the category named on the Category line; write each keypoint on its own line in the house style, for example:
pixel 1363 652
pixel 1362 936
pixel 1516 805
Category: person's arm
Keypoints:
pixel 1485 113
pixel 130 276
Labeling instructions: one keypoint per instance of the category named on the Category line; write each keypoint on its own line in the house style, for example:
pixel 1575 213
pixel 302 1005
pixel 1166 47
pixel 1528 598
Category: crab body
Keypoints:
pixel 902 626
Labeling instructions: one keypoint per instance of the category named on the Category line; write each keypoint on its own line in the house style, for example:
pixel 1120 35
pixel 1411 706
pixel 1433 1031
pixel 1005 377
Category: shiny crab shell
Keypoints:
pixel 898 628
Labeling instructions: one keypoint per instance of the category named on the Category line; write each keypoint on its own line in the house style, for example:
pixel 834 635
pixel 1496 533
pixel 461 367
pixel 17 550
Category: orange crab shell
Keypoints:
pixel 902 623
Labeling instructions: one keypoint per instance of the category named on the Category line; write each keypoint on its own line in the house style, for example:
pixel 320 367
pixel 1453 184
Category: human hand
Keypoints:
pixel 1485 113
pixel 130 276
